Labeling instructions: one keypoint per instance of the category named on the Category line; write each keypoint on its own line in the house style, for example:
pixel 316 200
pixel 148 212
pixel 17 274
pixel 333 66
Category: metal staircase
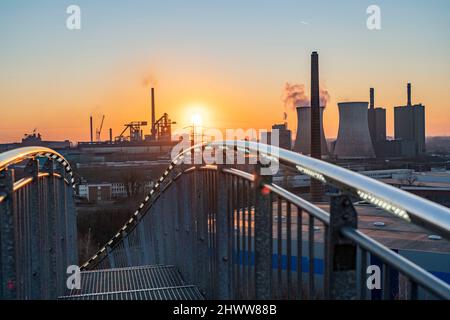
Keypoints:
pixel 155 282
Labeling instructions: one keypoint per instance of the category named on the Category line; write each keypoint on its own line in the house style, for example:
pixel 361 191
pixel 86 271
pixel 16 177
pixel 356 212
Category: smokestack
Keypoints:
pixel 316 187
pixel 110 135
pixel 372 98
pixel 153 129
pixel 315 107
pixel 371 116
pixel 92 133
pixel 409 94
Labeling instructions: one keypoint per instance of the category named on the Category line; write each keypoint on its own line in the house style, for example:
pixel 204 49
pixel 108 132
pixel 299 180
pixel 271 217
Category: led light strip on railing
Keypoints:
pixel 312 174
pixel 63 162
pixel 384 205
pixel 12 157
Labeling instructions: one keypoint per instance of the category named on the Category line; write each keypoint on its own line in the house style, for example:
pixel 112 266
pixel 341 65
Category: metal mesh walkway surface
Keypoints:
pixel 157 282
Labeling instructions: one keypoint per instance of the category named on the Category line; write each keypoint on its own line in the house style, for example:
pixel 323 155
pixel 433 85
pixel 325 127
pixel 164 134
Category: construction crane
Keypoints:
pixel 99 130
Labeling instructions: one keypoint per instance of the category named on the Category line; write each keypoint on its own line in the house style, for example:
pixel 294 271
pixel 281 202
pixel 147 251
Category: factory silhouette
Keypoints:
pixel 362 128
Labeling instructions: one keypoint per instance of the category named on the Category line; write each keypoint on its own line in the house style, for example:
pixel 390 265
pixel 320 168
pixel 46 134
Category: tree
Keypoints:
pixel 133 181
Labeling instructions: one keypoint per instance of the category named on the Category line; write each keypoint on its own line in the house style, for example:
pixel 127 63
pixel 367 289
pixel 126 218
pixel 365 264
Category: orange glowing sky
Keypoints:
pixel 224 61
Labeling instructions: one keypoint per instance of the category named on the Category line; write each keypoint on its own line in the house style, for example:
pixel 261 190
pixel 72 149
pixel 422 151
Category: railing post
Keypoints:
pixel 201 232
pixel 32 169
pixel 7 237
pixel 50 250
pixel 126 245
pixel 189 244
pixel 145 242
pixel 263 236
pixel 342 251
pixel 223 237
pixel 71 218
pixel 111 260
pixel 61 225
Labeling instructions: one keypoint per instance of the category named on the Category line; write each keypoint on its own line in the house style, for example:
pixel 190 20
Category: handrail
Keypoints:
pixel 25 181
pixel 317 212
pixel 345 179
pixel 411 270
pixel 15 156
pixel 396 201
pixel 349 182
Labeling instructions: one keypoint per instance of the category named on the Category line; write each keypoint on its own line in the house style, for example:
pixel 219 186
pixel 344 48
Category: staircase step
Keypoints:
pixel 170 293
pixel 156 282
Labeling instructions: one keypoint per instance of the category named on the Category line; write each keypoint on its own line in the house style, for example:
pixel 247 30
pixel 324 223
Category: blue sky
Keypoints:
pixel 227 53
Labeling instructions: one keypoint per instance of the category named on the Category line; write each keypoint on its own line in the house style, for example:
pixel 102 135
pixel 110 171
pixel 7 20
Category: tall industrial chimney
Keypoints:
pixel 372 98
pixel 153 129
pixel 110 135
pixel 409 94
pixel 371 116
pixel 316 186
pixel 92 132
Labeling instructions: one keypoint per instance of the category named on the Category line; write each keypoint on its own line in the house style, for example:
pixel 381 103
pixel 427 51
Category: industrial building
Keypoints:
pixel 132 140
pixel 410 126
pixel 284 136
pixel 377 125
pixel 107 191
pixel 353 141
pixel 35 139
pixel 303 138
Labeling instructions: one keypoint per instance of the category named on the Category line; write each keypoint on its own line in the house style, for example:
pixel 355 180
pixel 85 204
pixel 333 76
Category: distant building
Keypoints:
pixel 409 124
pixel 377 120
pixel 97 192
pixel 353 141
pixel 303 139
pixel 35 140
pixel 395 149
pixel 284 135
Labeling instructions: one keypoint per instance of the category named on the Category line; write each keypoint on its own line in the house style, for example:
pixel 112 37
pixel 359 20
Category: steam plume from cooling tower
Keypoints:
pixel 295 95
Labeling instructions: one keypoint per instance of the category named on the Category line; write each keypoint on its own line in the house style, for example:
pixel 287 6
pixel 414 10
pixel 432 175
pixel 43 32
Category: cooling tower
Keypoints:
pixel 303 139
pixel 353 139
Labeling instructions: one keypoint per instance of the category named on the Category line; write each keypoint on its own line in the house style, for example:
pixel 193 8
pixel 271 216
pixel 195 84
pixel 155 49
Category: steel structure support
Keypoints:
pixel 223 237
pixel 32 170
pixel 8 276
pixel 263 236
pixel 341 250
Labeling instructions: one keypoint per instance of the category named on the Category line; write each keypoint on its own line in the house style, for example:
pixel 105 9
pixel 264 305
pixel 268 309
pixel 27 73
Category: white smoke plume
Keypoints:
pixel 294 95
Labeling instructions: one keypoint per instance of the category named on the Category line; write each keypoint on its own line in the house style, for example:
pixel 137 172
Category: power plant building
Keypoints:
pixel 377 126
pixel 409 124
pixel 303 138
pixel 284 136
pixel 354 140
pixel 377 120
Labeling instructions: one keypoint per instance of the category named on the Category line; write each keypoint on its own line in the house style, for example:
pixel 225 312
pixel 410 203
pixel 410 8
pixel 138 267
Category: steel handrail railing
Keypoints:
pixel 345 179
pixel 400 263
pixel 11 157
pixel 405 205
pixel 399 203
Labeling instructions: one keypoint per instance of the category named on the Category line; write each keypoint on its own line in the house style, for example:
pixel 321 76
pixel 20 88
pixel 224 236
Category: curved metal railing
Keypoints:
pixel 11 157
pixel 255 206
pixel 37 223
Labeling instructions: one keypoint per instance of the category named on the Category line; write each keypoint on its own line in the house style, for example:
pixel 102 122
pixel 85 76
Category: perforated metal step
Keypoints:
pixel 134 283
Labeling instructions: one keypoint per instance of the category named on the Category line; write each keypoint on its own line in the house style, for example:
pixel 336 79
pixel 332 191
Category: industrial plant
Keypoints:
pixel 362 131
pixel 135 138
pixel 303 139
pixel 353 141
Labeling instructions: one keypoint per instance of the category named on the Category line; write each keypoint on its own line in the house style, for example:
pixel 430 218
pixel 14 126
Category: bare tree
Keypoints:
pixel 410 179
pixel 133 181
